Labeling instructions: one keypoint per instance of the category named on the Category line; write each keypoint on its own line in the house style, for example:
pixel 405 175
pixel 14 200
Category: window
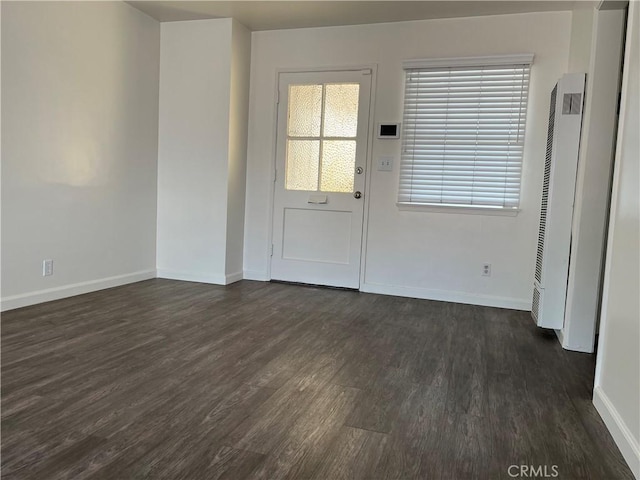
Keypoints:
pixel 463 131
pixel 322 126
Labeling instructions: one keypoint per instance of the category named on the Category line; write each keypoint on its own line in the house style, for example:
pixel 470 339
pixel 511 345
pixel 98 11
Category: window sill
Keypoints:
pixel 461 209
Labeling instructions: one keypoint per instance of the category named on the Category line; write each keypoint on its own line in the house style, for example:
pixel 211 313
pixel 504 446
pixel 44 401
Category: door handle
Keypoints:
pixel 357 194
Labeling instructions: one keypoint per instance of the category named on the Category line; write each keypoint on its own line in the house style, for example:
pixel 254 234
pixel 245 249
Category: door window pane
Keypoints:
pixel 305 110
pixel 341 110
pixel 314 163
pixel 338 164
pixel 302 164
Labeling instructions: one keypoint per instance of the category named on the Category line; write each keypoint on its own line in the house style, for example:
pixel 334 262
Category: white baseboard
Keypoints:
pixel 424 293
pixel 258 275
pixel 192 277
pixel 447 296
pixel 568 345
pixel 49 294
pixel 199 277
pixel 628 445
pixel 560 336
pixel 233 277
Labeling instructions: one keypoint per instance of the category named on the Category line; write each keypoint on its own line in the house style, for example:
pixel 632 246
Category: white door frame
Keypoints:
pixel 370 135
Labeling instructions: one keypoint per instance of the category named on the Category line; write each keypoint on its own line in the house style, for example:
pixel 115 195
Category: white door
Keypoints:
pixel 321 152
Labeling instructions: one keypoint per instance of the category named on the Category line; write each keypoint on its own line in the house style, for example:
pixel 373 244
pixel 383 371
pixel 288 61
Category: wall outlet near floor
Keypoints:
pixel 486 270
pixel 47 268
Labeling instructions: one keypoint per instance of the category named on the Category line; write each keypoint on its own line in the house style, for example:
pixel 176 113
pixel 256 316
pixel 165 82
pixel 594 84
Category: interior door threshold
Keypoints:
pixel 315 285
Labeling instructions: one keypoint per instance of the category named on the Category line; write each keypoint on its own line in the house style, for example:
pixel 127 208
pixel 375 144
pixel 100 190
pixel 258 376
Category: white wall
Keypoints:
pixel 79 131
pixel 201 158
pixel 195 60
pixel 617 386
pixel 238 126
pixel 429 255
pixel 581 38
pixel 593 184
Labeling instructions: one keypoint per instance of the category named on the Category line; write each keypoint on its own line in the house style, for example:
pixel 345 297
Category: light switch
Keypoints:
pixel 385 164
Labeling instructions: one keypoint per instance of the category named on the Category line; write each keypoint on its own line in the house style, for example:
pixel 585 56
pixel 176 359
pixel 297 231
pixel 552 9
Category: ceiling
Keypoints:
pixel 276 15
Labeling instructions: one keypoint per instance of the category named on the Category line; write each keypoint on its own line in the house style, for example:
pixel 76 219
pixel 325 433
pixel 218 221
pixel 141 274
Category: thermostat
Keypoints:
pixel 389 130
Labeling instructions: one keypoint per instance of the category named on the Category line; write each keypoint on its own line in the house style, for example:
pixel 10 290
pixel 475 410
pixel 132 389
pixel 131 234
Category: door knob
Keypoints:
pixel 357 194
pixel 359 170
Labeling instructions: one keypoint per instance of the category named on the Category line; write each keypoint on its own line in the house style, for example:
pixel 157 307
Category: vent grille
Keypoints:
pixel 535 306
pixel 545 187
pixel 571 103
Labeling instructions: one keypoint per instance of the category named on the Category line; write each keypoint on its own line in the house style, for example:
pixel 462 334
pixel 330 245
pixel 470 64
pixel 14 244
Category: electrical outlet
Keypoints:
pixel 385 164
pixel 47 268
pixel 486 270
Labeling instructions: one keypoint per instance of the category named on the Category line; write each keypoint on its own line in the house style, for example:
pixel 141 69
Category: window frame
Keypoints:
pixel 482 61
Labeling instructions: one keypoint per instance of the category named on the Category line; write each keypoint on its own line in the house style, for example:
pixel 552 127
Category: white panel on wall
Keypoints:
pixel 195 63
pixel 204 68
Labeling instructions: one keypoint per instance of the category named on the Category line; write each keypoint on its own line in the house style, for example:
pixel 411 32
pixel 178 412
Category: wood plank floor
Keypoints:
pixel 165 379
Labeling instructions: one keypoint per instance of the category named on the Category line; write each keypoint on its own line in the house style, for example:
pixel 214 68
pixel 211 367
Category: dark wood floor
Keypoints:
pixel 165 379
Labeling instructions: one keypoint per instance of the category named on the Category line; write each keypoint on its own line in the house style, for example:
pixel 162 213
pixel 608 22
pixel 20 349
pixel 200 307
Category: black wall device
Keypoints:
pixel 389 130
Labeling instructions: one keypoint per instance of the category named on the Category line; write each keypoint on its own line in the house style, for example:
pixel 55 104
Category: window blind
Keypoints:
pixel 463 133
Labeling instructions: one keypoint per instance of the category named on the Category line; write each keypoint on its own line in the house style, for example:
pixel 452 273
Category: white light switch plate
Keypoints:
pixel 385 164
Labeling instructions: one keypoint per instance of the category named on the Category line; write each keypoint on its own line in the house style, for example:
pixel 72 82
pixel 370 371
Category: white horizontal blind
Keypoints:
pixel 463 135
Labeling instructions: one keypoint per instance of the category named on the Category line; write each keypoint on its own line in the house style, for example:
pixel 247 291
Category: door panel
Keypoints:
pixel 317 236
pixel 323 122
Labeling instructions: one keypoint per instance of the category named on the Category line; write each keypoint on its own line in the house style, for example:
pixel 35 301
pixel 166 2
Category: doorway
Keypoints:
pixel 321 153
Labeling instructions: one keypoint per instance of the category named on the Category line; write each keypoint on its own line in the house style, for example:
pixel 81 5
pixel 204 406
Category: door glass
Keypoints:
pixel 322 125
pixel 341 110
pixel 305 110
pixel 338 163
pixel 302 164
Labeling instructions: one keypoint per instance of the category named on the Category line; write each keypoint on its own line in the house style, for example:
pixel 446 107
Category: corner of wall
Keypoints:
pixel 237 160
pixel 617 379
